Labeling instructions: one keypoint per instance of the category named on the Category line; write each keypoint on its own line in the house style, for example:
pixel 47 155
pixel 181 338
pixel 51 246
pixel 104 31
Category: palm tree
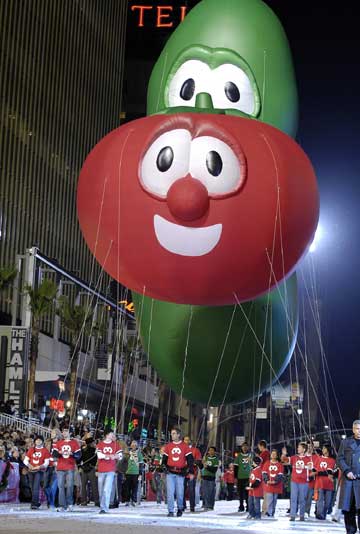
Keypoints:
pixel 41 301
pixel 77 320
pixel 7 276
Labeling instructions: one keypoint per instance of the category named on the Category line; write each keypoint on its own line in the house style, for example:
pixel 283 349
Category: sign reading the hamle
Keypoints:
pixel 14 350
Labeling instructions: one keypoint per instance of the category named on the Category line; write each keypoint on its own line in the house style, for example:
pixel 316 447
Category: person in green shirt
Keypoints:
pixel 135 464
pixel 242 468
pixel 208 473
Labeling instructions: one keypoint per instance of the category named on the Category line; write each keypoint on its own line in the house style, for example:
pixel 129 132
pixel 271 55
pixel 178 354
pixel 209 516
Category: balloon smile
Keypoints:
pixel 186 241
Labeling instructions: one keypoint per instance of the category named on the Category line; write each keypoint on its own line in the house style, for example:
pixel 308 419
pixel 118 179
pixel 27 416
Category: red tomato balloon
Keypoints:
pixel 198 209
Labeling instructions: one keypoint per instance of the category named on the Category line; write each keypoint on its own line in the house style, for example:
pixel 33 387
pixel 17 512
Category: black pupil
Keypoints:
pixel 165 159
pixel 188 89
pixel 214 163
pixel 232 92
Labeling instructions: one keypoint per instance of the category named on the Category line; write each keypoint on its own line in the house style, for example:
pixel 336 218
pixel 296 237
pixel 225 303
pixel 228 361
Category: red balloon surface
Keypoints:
pixel 198 209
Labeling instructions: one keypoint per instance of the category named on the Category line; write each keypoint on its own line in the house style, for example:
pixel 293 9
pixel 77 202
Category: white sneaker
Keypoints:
pixel 70 508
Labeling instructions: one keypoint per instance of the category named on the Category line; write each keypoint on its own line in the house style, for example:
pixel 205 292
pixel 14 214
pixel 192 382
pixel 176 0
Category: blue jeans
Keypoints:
pixel 35 479
pixel 323 503
pixel 50 486
pixel 208 493
pixel 66 478
pixel 298 498
pixel 105 484
pixel 271 500
pixel 254 506
pixel 309 500
pixel 175 484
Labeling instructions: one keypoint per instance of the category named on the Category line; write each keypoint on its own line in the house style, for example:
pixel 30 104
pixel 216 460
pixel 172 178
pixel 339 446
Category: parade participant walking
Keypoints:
pixel 135 465
pixel 255 489
pixel 190 481
pixel 324 481
pixel 208 475
pixel 108 452
pixel 299 481
pixel 242 468
pixel 88 472
pixel 66 451
pixel 312 456
pixel 229 480
pixel 36 460
pixel 348 460
pixel 178 459
pixel 273 477
pixel 50 477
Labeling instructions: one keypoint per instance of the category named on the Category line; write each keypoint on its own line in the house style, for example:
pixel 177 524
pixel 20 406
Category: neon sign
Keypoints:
pixel 166 16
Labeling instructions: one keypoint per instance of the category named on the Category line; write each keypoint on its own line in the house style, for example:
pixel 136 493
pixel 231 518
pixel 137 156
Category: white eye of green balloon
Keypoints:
pixel 191 78
pixel 165 161
pixel 216 165
pixel 231 89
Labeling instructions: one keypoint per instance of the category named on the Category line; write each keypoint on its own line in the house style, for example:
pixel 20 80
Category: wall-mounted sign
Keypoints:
pixel 13 364
pixel 158 16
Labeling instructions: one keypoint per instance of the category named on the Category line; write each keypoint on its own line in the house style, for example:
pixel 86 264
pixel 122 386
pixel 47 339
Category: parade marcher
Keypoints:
pixel 66 451
pixel 133 472
pixel 190 482
pixel 178 459
pixel 50 478
pixel 108 452
pixel 208 476
pixel 229 480
pixel 299 481
pixel 36 460
pixel 255 489
pixel 242 468
pixel 273 476
pixel 88 472
pixel 312 456
pixel 157 470
pixel 348 460
pixel 324 483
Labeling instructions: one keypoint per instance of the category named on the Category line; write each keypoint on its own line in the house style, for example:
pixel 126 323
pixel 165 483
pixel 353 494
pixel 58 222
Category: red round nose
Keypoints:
pixel 188 199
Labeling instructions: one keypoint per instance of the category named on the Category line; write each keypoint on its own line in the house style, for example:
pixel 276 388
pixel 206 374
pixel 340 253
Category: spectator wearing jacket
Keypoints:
pixel 348 461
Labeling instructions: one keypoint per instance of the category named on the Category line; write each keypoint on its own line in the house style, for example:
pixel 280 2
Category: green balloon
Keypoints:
pixel 224 354
pixel 220 354
pixel 236 33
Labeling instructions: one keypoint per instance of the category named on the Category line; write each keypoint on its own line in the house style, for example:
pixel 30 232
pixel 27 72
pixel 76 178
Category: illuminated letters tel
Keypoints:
pixel 163 15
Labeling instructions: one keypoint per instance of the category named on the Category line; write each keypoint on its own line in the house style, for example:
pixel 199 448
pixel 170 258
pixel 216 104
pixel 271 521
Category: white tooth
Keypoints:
pixel 186 241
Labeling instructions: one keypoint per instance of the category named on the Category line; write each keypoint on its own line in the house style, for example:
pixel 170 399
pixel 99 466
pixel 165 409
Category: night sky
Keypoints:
pixel 324 38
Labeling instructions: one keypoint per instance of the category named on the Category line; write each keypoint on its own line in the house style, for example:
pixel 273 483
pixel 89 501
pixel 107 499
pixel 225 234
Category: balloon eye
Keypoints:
pixel 187 89
pixel 232 92
pixel 165 159
pixel 214 163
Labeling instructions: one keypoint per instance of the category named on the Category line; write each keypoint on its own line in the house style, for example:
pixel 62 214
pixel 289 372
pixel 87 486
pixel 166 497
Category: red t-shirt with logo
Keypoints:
pixel 265 456
pixel 66 448
pixel 324 463
pixel 37 456
pixel 299 473
pixel 177 453
pixel 273 469
pixel 256 474
pixel 229 476
pixel 106 465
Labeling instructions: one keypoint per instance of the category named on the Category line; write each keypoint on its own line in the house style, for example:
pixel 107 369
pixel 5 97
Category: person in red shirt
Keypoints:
pixel 178 459
pixel 229 479
pixel 108 452
pixel 66 451
pixel 273 476
pixel 255 489
pixel 301 465
pixel 191 482
pixel 36 460
pixel 325 467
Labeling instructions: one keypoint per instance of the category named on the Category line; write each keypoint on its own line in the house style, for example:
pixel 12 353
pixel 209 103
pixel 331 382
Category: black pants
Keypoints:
pixel 350 517
pixel 191 485
pixel 85 477
pixel 230 491
pixel 242 483
pixel 131 485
